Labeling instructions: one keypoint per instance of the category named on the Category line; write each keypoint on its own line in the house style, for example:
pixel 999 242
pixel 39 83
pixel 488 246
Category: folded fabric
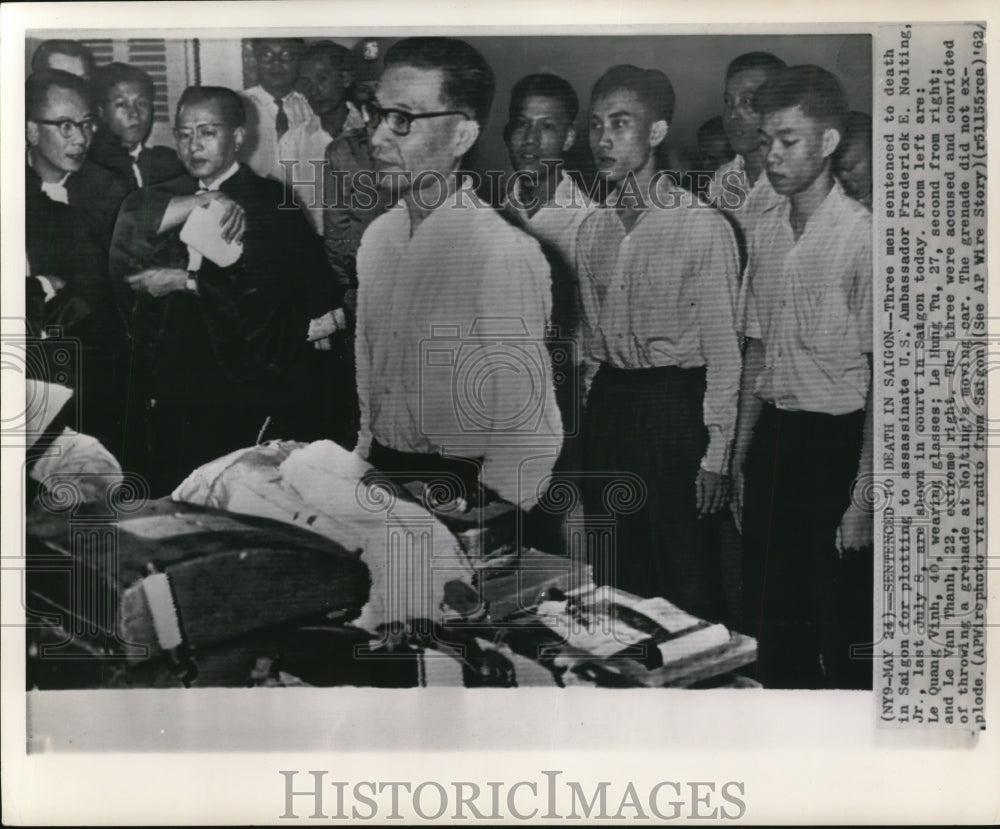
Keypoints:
pixel 409 553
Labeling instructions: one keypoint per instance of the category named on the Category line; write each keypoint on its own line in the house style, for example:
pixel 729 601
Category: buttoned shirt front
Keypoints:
pixel 664 294
pixel 810 301
pixel 450 342
pixel 267 150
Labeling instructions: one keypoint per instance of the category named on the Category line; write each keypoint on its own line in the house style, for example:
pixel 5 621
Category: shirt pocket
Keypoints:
pixel 824 319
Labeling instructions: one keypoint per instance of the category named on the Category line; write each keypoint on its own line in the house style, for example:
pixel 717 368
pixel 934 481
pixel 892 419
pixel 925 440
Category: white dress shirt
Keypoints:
pixel 810 301
pixel 451 354
pixel 664 294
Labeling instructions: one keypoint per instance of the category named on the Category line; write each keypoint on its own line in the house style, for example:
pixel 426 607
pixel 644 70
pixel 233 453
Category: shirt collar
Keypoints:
pixel 567 194
pixel 219 180
pixel 826 214
pixel 463 197
pixel 136 151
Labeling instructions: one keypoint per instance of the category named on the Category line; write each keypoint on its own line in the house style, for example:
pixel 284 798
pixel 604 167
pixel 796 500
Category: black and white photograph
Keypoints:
pixel 443 389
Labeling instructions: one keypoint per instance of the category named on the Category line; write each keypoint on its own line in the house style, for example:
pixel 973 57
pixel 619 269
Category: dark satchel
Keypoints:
pixel 170 593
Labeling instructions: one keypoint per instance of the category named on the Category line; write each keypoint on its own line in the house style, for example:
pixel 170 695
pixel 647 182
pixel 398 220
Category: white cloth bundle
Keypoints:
pixel 318 486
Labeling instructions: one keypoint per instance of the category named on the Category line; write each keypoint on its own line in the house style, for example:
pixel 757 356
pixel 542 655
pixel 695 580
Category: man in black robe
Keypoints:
pixel 221 351
pixel 70 210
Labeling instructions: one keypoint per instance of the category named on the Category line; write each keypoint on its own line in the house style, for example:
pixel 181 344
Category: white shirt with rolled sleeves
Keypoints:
pixel 664 294
pixel 450 343
pixel 810 302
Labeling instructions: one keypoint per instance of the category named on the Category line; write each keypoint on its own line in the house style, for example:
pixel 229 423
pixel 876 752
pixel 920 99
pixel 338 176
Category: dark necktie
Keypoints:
pixel 281 120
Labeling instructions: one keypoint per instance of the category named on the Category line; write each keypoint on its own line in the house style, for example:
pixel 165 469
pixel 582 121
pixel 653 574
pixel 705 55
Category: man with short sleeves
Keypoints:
pixel 453 377
pixel 805 430
pixel 658 280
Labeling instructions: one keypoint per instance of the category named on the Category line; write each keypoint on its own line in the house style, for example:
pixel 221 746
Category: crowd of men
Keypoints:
pixel 707 341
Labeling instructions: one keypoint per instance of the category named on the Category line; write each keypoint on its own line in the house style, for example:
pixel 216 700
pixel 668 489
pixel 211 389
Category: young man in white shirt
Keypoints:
pixel 454 381
pixel 658 279
pixel 545 200
pixel 805 429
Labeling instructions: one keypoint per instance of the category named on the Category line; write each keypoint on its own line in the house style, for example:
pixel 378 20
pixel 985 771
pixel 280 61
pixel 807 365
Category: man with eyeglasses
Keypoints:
pixel 454 381
pixel 124 96
pixel 274 106
pixel 70 209
pixel 222 347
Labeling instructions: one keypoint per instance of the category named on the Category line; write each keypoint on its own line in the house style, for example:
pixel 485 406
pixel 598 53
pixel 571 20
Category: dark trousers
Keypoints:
pixel 644 438
pixel 797 484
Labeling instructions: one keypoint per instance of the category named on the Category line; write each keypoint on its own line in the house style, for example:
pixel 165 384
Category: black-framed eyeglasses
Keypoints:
pixel 67 126
pixel 399 121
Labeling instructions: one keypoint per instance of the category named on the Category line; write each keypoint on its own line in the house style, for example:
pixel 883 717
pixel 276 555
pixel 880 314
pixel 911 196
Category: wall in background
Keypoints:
pixel 695 65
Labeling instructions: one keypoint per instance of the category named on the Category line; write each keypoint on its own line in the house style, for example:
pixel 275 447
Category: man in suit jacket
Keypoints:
pixel 124 95
pixel 223 351
pixel 70 210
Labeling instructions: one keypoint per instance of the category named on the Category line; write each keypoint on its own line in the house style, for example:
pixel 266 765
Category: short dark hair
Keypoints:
pixel 650 86
pixel 71 48
pixel 339 57
pixel 857 129
pixel 233 111
pixel 815 90
pixel 468 82
pixel 111 74
pixel 38 84
pixel 771 64
pixel 545 85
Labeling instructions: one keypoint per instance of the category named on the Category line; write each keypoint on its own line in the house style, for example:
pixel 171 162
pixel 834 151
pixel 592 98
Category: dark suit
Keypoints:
pixel 217 364
pixel 156 164
pixel 71 241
